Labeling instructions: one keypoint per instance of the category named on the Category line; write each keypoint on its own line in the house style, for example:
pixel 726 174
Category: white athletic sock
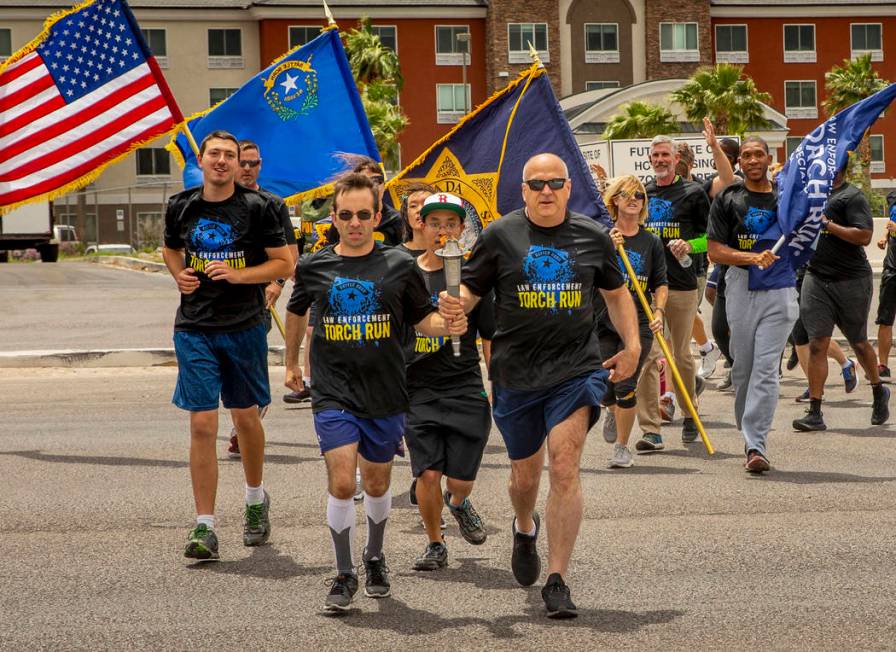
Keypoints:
pixel 846 364
pixel 341 519
pixel 208 520
pixel 377 511
pixel 530 533
pixel 255 495
pixel 706 348
pixel 307 380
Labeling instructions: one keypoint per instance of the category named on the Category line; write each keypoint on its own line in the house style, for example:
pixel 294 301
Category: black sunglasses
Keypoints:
pixel 250 164
pixel 628 195
pixel 362 214
pixel 538 184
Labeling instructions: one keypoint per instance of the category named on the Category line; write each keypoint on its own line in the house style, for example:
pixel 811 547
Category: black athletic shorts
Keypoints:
pixel 844 304
pixel 449 435
pixel 886 305
pixel 610 345
pixel 798 334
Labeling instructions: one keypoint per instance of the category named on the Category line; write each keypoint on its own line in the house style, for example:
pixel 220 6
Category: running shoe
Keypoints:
pixel 233 450
pixel 883 371
pixel 793 360
pixel 689 432
pixel 377 584
pixel 880 409
pixel 301 396
pixel 257 523
pixel 610 426
pixel 812 422
pixel 433 558
pixel 699 386
pixel 726 385
pixel 850 378
pixel 524 561
pixel 202 543
pixel 622 458
pixel 667 408
pixel 651 441
pixel 468 520
pixel 342 592
pixel 557 600
pixel 756 462
pixel 442 524
pixel 804 397
pixel 412 492
pixel 709 361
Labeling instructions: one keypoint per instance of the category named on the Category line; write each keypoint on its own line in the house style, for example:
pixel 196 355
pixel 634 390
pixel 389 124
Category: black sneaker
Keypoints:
pixel 689 432
pixel 880 409
pixel 433 558
pixel 468 520
pixel 257 523
pixel 556 598
pixel 883 371
pixel 725 385
pixel 811 422
pixel 342 592
pixel 202 543
pixel 301 396
pixel 377 584
pixel 524 561
pixel 412 494
pixel 699 386
pixel 793 360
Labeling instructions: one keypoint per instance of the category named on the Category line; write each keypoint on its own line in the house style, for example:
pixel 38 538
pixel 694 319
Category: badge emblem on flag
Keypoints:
pixel 291 89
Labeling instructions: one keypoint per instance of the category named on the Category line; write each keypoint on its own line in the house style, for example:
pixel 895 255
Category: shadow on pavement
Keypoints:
pixel 99 460
pixel 870 431
pixel 696 451
pixel 470 571
pixel 265 562
pixel 818 477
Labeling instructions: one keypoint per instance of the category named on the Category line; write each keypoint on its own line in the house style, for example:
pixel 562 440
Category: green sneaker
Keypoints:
pixel 202 543
pixel 256 523
pixel 651 441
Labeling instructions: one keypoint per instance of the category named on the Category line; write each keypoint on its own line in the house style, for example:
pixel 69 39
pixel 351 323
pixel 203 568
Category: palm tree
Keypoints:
pixel 727 96
pixel 369 58
pixel 845 85
pixel 641 120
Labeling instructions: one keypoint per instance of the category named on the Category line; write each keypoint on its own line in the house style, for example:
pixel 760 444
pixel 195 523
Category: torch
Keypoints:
pixel 452 255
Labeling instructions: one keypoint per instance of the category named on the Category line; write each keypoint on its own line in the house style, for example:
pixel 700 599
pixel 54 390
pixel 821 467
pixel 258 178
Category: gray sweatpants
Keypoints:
pixel 760 323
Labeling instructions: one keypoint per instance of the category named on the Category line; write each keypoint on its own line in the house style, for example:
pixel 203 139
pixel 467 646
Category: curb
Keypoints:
pixel 130 263
pixel 106 358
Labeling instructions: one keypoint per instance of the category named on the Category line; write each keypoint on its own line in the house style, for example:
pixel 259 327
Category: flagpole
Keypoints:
pixel 670 361
pixel 331 23
pixel 189 134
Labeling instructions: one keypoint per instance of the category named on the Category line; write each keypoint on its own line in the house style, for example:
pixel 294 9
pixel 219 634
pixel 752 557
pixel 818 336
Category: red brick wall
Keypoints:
pixel 502 12
pixel 676 11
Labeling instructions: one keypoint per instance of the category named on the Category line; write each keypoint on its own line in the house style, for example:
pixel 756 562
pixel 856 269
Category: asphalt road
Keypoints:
pixel 679 552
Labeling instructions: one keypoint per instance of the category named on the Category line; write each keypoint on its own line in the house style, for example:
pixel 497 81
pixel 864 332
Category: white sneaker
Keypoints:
pixel 709 361
pixel 622 458
pixel 610 426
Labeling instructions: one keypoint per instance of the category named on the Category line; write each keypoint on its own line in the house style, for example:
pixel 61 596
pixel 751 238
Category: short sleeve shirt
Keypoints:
pixel 645 254
pixel 834 258
pixel 740 216
pixel 364 306
pixel 544 279
pixel 236 231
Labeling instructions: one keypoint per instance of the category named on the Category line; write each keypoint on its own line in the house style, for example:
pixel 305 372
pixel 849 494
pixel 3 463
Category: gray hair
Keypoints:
pixel 565 167
pixel 661 140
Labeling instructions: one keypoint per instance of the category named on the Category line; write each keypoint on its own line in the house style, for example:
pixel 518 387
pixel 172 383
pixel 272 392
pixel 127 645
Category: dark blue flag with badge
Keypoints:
pixel 481 159
pixel 805 183
pixel 304 112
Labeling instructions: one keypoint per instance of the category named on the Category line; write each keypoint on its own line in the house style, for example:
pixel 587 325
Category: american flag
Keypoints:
pixel 88 93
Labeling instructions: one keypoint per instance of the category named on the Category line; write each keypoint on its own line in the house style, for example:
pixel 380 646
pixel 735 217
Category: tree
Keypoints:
pixel 641 120
pixel 844 85
pixel 377 72
pixel 727 96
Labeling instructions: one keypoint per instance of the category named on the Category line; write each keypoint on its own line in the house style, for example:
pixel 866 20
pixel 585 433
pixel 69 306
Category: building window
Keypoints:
pixel 451 100
pixel 301 34
pixel 800 99
pixel 678 42
pixel 601 43
pixel 598 85
pixel 731 44
pixel 216 95
pixel 153 162
pixel 799 43
pixel 225 48
pixel 388 35
pixel 790 144
pixel 519 35
pixel 5 43
pixel 877 153
pixel 157 42
pixel 451 45
pixel 867 39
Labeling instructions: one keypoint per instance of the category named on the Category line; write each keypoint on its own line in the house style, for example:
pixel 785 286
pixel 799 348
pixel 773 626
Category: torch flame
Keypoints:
pixel 443 239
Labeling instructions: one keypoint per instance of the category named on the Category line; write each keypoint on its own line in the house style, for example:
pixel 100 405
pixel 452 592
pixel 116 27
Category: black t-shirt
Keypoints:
pixel 236 231
pixel 433 371
pixel 645 253
pixel 740 216
pixel 544 281
pixel 678 211
pixel 289 231
pixel 364 306
pixel 415 253
pixel 890 257
pixel 836 259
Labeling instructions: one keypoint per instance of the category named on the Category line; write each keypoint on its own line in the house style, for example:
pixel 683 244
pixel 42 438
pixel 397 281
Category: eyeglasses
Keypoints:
pixel 250 164
pixel 538 184
pixel 631 195
pixel 378 179
pixel 438 226
pixel 362 215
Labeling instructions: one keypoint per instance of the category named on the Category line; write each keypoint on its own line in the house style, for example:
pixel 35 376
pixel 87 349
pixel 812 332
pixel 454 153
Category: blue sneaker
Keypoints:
pixel 850 379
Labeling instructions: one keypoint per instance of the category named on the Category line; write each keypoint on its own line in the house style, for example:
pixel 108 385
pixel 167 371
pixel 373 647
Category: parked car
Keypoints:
pixel 121 249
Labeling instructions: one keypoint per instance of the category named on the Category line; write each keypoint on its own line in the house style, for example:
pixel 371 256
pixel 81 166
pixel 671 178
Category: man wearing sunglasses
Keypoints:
pixel 368 296
pixel 545 266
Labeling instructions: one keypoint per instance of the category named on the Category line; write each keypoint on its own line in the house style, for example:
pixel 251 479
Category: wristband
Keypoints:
pixel 280 281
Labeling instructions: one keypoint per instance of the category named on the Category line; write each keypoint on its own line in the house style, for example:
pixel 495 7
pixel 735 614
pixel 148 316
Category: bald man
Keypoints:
pixel 545 266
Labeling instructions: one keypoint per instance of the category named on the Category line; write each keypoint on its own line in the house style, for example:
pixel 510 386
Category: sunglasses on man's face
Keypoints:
pixel 631 195
pixel 362 215
pixel 250 164
pixel 538 184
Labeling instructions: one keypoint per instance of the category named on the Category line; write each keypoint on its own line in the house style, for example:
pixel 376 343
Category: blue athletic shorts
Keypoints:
pixel 230 366
pixel 378 439
pixel 526 417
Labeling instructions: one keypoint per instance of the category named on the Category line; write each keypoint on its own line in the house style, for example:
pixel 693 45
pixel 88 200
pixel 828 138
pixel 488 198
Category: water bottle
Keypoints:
pixel 685 260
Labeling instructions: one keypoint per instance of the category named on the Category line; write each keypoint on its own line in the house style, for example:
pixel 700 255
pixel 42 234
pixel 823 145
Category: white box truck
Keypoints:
pixel 29 226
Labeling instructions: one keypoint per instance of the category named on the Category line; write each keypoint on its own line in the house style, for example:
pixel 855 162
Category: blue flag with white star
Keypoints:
pixel 305 114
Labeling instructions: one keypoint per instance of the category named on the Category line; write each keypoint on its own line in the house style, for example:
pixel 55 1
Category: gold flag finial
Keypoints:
pixel 331 23
pixel 534 54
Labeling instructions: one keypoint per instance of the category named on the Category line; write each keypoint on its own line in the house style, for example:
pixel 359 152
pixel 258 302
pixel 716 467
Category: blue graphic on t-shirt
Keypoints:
pixel 352 297
pixel 550 277
pixel 758 220
pixel 659 210
pixel 547 265
pixel 209 235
